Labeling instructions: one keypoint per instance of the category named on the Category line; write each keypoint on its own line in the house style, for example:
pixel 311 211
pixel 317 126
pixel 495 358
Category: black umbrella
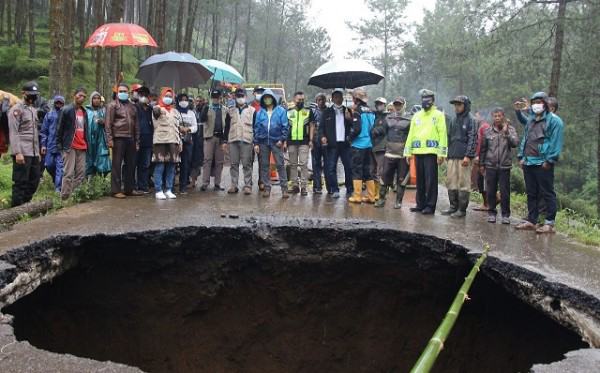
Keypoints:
pixel 350 73
pixel 175 70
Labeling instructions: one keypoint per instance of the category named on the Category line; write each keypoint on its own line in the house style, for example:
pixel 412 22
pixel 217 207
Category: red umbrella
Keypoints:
pixel 120 34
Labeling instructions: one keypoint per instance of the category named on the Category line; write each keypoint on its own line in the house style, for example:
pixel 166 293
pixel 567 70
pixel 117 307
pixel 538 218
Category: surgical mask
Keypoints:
pixel 300 105
pixel 240 100
pixel 168 100
pixel 426 103
pixel 537 108
pixel 135 96
pixel 268 101
pixel 183 104
pixel 380 107
pixel 123 96
pixel 143 100
pixel 339 107
pixel 258 97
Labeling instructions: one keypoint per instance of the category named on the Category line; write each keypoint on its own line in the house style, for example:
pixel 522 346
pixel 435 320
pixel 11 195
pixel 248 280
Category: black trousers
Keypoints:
pixel 427 180
pixel 498 179
pixel 397 166
pixel 123 154
pixel 361 164
pixel 539 183
pixel 26 178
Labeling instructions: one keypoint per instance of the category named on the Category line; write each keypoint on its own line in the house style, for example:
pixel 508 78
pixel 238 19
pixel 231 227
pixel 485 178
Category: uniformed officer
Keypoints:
pixel 24 144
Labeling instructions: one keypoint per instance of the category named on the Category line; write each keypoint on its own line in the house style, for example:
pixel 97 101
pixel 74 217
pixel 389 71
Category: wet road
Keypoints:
pixel 553 256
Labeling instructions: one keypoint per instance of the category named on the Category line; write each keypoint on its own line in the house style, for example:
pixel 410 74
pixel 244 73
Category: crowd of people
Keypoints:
pixel 143 139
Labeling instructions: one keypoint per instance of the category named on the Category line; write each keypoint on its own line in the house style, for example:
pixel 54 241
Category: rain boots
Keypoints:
pixel 357 194
pixel 453 197
pixel 371 192
pixel 377 190
pixel 399 196
pixel 383 189
pixel 463 203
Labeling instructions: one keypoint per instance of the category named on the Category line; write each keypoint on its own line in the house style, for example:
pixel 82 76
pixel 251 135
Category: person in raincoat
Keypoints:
pixel 363 120
pixel 52 157
pixel 97 161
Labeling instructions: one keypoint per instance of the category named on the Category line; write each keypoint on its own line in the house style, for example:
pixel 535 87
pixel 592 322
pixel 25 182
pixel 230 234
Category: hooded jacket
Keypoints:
pixel 97 155
pixel 462 135
pixel 427 134
pixel 378 132
pixel 363 120
pixel 270 130
pixel 396 130
pixel 542 140
pixel 48 131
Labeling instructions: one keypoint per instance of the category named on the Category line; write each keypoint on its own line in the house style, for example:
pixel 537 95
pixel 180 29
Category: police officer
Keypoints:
pixel 25 147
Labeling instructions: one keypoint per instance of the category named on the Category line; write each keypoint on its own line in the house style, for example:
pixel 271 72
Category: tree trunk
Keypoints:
pixel 189 28
pixel 245 71
pixel 279 41
pixel 57 30
pixel 179 27
pixel 263 64
pixel 31 19
pixel 99 20
pixel 81 26
pixel 215 30
pixel 598 167
pixel 32 209
pixel 235 32
pixel 160 25
pixel 2 7
pixel 205 36
pixel 558 47
pixel 9 31
pixel 117 10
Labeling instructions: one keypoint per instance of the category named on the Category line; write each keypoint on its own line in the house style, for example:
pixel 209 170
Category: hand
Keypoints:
pixel 310 145
pixel 324 140
pixel 476 161
pixel 137 147
pixel 465 162
pixel 110 144
pixel 19 159
pixel 257 149
pixel 285 146
pixel 522 163
pixel 278 144
pixel 348 114
pixel 180 147
pixel 100 122
pixel 482 170
pixel 546 166
pixel 407 160
pixel 224 147
pixel 440 160
pixel 43 151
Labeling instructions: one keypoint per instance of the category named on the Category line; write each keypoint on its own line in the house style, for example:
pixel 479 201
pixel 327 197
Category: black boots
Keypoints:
pixel 463 203
pixel 382 193
pixel 453 197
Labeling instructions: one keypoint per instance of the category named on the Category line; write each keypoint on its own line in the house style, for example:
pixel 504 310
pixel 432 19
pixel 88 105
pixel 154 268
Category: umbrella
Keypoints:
pixel 120 34
pixel 171 69
pixel 348 73
pixel 223 72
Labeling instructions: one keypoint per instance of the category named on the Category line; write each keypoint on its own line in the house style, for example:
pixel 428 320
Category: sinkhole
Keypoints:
pixel 279 299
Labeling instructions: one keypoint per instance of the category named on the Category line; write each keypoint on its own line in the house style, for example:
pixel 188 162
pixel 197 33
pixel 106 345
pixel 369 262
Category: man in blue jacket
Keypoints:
pixel 538 153
pixel 271 130
pixel 52 157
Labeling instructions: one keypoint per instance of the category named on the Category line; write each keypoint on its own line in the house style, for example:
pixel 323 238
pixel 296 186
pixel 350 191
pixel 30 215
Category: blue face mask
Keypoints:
pixel 168 100
pixel 123 96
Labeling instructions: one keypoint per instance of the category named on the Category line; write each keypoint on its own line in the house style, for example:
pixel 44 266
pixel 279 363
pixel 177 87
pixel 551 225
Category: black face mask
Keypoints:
pixel 426 103
pixel 31 98
pixel 57 108
pixel 300 105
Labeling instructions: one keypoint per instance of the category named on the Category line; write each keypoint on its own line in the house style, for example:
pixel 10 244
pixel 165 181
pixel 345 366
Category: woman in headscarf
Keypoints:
pixel 166 144
pixel 188 127
pixel 97 156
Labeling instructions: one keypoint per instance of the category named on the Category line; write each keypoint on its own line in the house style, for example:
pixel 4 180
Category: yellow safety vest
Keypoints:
pixel 298 123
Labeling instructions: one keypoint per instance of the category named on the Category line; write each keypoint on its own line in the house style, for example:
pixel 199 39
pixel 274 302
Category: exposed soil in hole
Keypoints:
pixel 239 303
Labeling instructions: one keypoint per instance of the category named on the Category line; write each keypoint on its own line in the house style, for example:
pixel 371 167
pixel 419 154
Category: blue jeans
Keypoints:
pixel 168 171
pixel 343 151
pixel 144 159
pixel 185 167
pixel 319 164
pixel 54 165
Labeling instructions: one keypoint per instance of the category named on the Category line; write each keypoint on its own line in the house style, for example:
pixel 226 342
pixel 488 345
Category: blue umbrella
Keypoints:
pixel 175 70
pixel 223 72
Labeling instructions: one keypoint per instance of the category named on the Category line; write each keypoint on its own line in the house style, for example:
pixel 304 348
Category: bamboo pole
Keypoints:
pixel 436 343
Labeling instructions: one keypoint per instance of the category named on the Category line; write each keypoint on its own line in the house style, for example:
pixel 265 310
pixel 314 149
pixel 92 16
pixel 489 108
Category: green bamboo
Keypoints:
pixel 436 343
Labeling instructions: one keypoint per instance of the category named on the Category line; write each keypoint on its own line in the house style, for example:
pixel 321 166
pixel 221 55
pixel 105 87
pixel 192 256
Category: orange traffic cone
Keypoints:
pixel 273 168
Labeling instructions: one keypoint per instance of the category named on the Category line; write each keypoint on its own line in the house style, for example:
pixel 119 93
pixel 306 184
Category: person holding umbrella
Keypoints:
pixel 167 144
pixel 363 120
pixel 188 127
pixel 123 135
pixel 428 142
pixel 271 129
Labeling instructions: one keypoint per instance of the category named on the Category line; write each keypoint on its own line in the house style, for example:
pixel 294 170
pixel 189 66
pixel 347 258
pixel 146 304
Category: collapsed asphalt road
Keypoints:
pixel 558 281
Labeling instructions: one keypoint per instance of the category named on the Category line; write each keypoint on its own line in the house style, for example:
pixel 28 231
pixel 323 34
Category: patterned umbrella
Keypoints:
pixel 120 34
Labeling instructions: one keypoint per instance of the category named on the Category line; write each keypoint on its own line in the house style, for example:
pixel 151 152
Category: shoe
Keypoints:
pixel 119 195
pixel 505 220
pixel 266 193
pixel 458 214
pixel 203 187
pixel 218 188
pixel 415 209
pixel 546 228
pixel 382 194
pixel 303 192
pixel 170 195
pixel 135 193
pixel 463 204
pixel 525 226
pixel 261 186
pixel 399 196
pixel 491 219
pixel 247 190
pixel 372 195
pixel 335 195
pixel 145 192
pixel 233 190
pixel 160 195
pixel 428 211
pixel 357 194
pixel 453 198
pixel 317 191
pixel 295 190
pixel 397 205
pixel 285 194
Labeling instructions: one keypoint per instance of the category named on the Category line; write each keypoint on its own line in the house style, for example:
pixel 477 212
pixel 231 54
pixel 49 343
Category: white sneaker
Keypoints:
pixel 170 195
pixel 160 195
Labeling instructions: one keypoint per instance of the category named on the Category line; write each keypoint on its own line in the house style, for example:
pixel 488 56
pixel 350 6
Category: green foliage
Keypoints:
pixel 94 188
